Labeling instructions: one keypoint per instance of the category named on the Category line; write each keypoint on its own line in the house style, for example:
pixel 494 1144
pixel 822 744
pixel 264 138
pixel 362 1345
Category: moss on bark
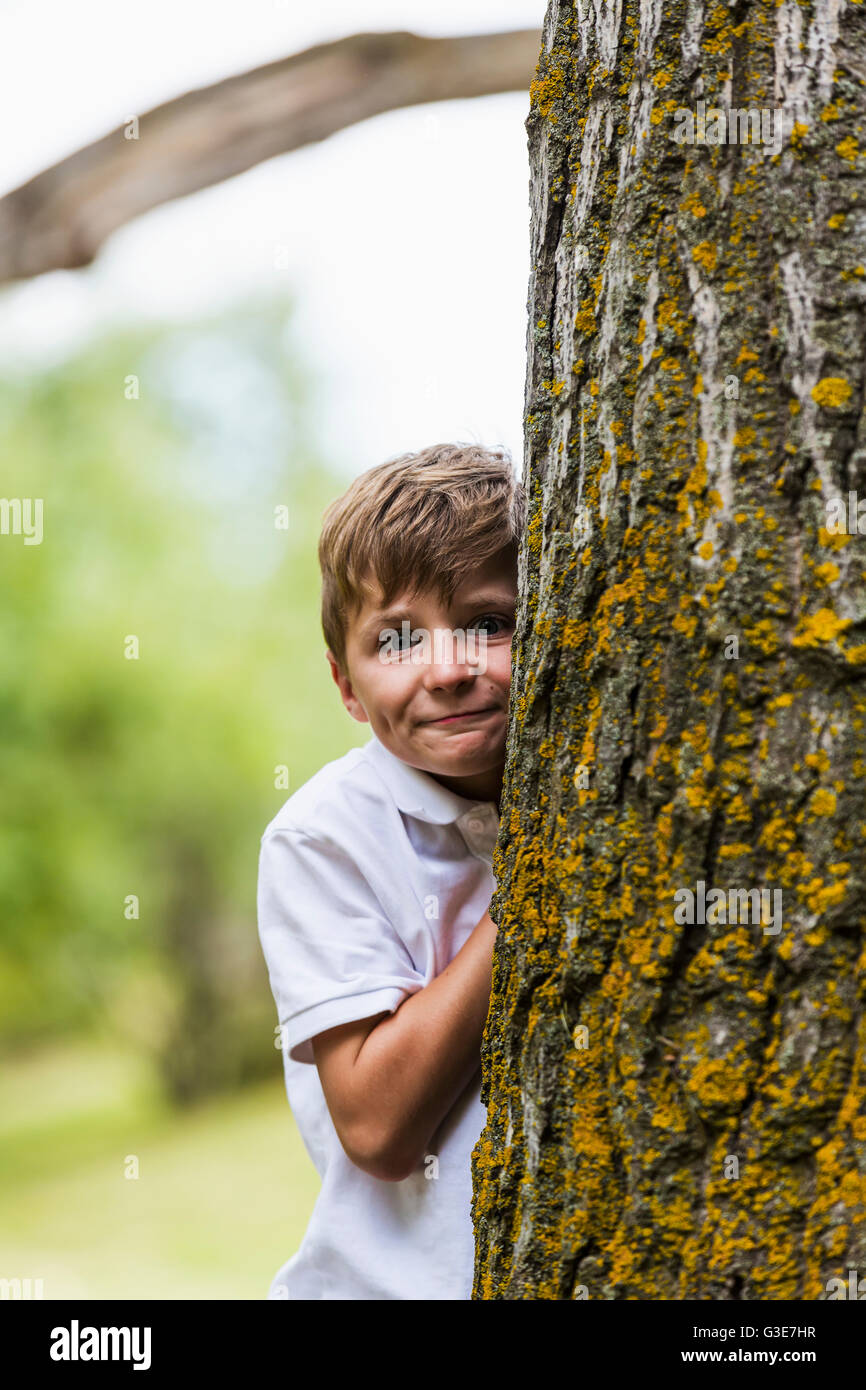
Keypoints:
pixel 674 1110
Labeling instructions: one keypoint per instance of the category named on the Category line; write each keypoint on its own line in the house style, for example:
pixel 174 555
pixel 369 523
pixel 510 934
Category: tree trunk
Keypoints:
pixel 676 1109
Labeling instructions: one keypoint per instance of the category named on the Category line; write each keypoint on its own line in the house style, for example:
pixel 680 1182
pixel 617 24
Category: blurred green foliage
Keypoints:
pixel 160 455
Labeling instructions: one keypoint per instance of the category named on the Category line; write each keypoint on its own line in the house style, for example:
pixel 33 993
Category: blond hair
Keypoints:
pixel 418 520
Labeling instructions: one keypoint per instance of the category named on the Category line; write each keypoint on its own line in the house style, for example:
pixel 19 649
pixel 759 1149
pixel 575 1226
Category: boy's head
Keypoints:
pixel 419 584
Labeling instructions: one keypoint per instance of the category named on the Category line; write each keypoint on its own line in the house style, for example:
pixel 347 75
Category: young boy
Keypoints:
pixel 375 877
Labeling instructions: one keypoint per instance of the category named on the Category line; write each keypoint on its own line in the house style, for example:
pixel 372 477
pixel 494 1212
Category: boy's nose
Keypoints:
pixel 443 675
pixel 450 663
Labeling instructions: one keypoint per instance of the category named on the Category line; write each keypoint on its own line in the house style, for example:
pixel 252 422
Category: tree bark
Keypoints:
pixel 60 218
pixel 689 703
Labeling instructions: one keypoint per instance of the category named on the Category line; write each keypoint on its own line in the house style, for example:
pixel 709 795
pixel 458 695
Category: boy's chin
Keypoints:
pixel 466 756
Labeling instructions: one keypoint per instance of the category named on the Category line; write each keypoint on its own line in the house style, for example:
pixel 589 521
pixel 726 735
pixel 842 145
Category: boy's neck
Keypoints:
pixel 482 786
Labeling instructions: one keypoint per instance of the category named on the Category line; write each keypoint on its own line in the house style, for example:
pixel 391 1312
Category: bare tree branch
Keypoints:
pixel 60 219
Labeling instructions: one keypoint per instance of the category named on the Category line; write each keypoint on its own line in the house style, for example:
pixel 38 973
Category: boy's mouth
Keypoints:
pixel 464 714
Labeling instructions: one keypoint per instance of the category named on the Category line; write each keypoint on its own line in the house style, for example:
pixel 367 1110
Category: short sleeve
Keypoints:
pixel 332 954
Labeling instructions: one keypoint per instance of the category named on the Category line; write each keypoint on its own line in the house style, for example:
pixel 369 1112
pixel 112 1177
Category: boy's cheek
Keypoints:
pixel 502 669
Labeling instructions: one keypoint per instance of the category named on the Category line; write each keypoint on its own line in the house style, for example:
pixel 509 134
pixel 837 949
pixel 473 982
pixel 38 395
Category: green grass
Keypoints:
pixel 222 1199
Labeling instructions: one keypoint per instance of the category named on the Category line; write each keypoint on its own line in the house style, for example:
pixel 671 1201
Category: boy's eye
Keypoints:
pixel 491 624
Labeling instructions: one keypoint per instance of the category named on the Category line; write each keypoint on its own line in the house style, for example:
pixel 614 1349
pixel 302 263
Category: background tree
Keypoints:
pixel 677 1111
pixel 163 454
pixel 59 219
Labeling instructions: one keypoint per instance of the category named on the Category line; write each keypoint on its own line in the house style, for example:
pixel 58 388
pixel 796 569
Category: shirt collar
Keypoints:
pixel 416 793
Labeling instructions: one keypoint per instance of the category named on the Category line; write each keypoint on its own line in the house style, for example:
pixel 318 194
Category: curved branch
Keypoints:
pixel 61 218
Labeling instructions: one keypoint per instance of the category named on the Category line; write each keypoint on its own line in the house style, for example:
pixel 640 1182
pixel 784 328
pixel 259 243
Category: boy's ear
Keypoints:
pixel 347 694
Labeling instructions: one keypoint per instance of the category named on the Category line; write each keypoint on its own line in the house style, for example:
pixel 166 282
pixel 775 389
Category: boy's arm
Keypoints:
pixel 391 1079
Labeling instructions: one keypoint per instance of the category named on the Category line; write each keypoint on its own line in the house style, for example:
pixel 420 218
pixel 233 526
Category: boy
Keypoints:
pixel 375 877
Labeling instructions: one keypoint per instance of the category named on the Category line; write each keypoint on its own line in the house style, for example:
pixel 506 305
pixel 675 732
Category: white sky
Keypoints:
pixel 406 237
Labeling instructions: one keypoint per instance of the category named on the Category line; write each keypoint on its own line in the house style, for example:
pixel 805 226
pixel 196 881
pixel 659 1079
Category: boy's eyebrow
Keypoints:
pixel 485 598
pixel 382 620
pixel 490 598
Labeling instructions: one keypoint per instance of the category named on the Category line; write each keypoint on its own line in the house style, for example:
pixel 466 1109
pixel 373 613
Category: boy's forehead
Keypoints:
pixel 498 569
pixel 498 572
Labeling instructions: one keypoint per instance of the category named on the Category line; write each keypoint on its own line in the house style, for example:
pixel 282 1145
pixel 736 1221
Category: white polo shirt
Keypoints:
pixel 371 878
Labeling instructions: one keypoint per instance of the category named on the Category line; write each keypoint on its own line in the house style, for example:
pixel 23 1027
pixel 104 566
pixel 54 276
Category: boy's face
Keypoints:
pixel 446 713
